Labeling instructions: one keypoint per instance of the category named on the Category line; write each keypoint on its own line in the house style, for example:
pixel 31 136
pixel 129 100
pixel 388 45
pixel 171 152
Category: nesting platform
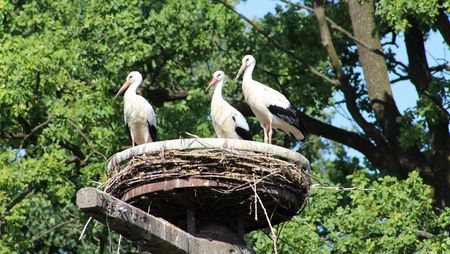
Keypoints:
pixel 196 183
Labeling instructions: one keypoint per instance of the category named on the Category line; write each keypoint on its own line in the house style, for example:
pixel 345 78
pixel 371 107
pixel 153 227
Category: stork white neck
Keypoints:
pixel 133 87
pixel 248 72
pixel 218 90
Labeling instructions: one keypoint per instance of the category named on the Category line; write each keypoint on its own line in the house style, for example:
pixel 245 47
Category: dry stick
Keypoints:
pixel 118 247
pixel 274 235
pixel 197 139
pixel 256 196
pixel 84 228
pixel 191 135
pixel 339 188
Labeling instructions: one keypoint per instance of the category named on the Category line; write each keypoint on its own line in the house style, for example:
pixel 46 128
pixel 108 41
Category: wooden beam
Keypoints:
pixel 191 220
pixel 152 234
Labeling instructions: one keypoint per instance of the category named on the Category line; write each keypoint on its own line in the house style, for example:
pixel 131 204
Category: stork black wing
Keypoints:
pixel 152 130
pixel 243 133
pixel 290 115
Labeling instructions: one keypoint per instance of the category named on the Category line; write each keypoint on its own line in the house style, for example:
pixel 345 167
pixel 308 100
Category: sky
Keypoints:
pixel 404 93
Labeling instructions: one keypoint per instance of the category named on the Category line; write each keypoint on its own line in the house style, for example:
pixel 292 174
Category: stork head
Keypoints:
pixel 134 78
pixel 247 61
pixel 217 76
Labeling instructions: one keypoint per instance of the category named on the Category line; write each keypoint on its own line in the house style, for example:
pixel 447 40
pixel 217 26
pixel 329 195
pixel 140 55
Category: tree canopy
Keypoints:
pixel 61 63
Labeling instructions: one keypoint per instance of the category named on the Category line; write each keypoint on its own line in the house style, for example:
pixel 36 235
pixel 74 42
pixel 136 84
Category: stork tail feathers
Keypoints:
pixel 243 133
pixel 152 130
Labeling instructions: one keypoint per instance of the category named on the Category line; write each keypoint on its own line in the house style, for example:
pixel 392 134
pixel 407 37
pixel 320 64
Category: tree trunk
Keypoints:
pixel 437 123
pixel 374 67
pixel 443 24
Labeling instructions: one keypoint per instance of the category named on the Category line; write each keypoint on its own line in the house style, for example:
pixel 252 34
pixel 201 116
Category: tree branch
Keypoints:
pixel 314 126
pixel 348 90
pixel 19 198
pixel 35 129
pixel 39 236
pixel 344 85
pixel 275 43
pixel 424 234
pixel 79 158
pixel 8 135
pixel 160 95
pixel 336 27
pixel 437 104
pixel 437 124
pixel 440 67
pixel 443 24
pixel 401 78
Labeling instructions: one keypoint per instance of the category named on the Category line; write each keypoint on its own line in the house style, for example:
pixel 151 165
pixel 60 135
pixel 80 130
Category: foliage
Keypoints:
pixel 62 61
pixel 397 12
pixel 395 217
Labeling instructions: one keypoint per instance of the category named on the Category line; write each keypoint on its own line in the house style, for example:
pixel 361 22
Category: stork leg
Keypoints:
pixel 132 141
pixel 265 132
pixel 270 132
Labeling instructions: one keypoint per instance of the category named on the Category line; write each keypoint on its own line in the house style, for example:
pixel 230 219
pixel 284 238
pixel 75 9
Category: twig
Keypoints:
pixel 339 188
pixel 84 228
pixel 191 135
pixel 197 139
pixel 272 230
pixel 256 197
pixel 53 229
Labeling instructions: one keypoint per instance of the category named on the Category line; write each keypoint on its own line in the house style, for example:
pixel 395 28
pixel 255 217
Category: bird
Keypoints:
pixel 270 107
pixel 139 115
pixel 228 122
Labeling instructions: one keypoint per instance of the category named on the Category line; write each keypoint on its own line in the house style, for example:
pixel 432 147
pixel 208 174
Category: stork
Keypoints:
pixel 227 121
pixel 270 107
pixel 138 113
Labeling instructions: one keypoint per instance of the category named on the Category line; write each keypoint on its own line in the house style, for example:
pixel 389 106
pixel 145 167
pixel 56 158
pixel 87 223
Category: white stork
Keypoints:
pixel 227 121
pixel 270 107
pixel 138 113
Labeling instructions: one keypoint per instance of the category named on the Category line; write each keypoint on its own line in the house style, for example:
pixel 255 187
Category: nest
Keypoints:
pixel 220 183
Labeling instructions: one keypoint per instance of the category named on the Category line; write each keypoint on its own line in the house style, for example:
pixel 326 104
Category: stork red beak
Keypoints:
pixel 241 70
pixel 124 87
pixel 211 83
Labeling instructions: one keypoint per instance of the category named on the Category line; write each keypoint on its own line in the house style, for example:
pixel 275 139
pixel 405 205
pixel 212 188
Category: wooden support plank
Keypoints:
pixel 191 221
pixel 153 234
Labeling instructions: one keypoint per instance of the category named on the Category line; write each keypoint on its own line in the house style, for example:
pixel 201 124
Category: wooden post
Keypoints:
pixel 153 234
